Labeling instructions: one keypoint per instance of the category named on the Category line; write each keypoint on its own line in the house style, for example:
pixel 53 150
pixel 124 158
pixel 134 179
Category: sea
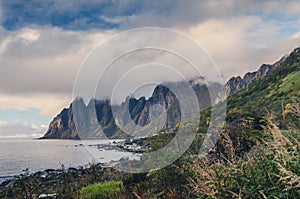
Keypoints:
pixel 39 155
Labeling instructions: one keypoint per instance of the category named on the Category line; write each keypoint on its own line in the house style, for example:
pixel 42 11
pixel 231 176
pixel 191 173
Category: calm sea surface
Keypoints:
pixel 17 155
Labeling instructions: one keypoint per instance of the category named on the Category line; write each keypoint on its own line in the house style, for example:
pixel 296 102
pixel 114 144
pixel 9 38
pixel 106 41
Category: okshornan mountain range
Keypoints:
pixel 99 111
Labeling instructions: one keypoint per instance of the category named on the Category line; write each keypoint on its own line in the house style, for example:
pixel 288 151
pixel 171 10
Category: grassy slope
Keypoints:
pixel 239 166
pixel 266 170
pixel 256 159
pixel 268 94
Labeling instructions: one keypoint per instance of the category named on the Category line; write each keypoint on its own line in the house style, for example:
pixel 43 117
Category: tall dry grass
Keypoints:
pixel 270 170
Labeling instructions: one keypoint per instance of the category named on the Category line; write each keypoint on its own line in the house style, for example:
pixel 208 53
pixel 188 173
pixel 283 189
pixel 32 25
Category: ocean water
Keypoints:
pixel 36 155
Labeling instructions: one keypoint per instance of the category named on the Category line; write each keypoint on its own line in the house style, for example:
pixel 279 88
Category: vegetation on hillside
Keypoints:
pixel 256 156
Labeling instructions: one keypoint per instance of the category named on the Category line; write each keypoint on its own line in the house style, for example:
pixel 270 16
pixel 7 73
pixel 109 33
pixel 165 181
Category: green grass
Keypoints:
pixel 110 189
pixel 257 154
pixel 291 84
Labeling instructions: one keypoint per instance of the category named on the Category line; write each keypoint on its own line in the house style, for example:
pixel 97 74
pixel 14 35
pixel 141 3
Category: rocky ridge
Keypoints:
pixel 96 118
pixel 235 84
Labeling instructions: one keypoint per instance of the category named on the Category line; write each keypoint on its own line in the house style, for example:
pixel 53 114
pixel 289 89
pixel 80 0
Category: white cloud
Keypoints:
pixel 20 130
pixel 115 20
pixel 242 44
pixel 43 59
pixel 50 104
pixel 286 8
pixel 296 36
pixel 38 64
pixel 178 13
pixel 29 35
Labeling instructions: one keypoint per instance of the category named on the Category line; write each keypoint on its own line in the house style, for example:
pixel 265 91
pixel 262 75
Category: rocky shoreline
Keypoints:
pixel 50 178
pixel 46 180
pixel 129 145
pixel 54 183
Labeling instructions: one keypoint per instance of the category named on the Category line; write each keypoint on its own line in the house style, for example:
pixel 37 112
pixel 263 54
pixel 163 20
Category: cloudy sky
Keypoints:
pixel 44 43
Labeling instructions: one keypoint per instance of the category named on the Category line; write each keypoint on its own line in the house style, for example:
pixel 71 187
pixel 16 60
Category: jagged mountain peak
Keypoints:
pixel 98 114
pixel 96 117
pixel 235 84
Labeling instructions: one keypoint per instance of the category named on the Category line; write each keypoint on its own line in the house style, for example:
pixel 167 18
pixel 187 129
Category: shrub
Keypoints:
pixel 110 189
pixel 270 170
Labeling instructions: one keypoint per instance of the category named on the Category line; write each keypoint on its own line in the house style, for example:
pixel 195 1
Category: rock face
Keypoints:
pixel 235 84
pixel 96 119
pixel 62 126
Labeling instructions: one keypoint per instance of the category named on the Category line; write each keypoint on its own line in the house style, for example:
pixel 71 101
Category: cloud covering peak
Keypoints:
pixel 43 42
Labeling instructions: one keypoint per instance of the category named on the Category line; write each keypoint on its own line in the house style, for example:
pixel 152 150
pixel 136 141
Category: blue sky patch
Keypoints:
pixel 80 15
pixel 30 115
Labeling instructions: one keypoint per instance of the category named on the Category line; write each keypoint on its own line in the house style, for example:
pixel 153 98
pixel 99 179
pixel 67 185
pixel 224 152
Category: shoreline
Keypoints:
pixel 64 182
pixel 50 174
pixel 50 177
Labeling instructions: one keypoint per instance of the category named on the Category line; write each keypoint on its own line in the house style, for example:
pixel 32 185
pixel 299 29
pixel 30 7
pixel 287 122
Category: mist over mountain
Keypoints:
pixel 97 119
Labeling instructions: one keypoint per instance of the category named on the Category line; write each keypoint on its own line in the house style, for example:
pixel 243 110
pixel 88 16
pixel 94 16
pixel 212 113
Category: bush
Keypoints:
pixel 110 189
pixel 270 170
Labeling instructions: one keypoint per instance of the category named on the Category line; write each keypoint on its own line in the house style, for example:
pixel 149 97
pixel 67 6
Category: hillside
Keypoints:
pixel 256 155
pixel 101 118
pixel 271 95
pixel 238 83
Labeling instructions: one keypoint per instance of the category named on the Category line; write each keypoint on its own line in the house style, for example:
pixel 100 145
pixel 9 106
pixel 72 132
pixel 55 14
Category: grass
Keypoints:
pixel 270 170
pixel 110 189
pixel 291 81
pixel 255 157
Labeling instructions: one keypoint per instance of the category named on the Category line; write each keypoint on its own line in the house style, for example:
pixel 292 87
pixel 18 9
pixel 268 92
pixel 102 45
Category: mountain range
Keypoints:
pixel 96 119
pixel 99 121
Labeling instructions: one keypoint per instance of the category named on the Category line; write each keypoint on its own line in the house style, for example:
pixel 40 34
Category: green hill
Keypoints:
pixel 271 94
pixel 256 156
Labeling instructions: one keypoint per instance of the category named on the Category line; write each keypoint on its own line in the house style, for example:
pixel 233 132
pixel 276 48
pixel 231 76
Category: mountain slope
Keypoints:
pixel 97 118
pixel 282 85
pixel 270 88
pixel 249 109
pixel 235 84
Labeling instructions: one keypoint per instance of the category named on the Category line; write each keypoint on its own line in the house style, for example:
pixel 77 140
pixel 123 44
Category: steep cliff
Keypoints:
pixel 62 126
pixel 96 119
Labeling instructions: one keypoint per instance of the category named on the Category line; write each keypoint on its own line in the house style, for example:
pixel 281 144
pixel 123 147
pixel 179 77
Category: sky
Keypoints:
pixel 44 43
